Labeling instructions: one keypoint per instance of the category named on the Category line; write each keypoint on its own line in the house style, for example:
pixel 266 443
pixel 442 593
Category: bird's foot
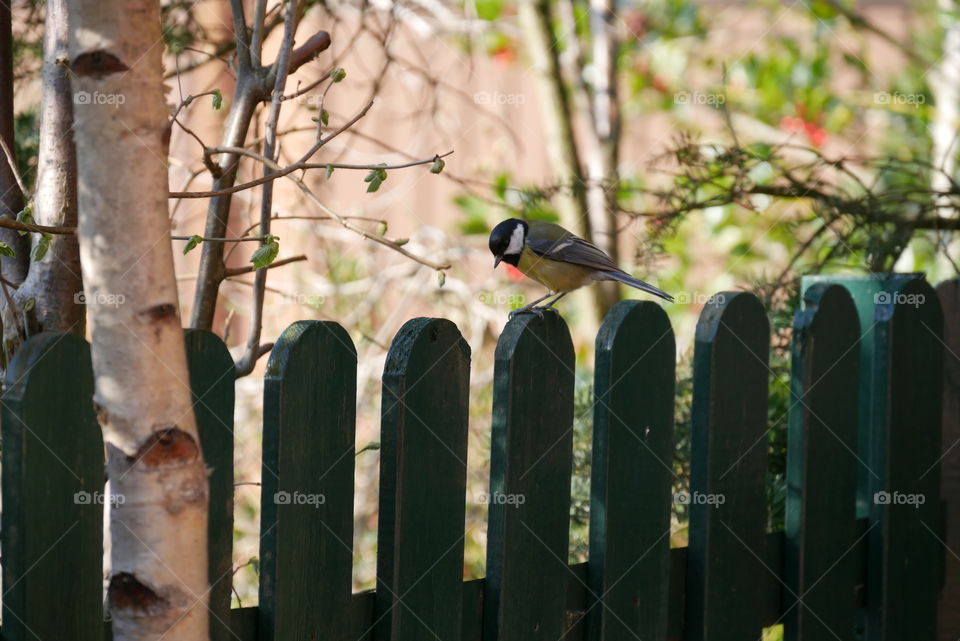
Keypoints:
pixel 531 310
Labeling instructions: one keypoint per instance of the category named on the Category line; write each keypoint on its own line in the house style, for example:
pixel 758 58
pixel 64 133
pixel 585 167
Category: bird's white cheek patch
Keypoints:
pixel 516 241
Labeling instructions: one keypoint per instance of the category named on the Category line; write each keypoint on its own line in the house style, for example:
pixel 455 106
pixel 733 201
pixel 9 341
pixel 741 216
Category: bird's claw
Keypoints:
pixel 538 311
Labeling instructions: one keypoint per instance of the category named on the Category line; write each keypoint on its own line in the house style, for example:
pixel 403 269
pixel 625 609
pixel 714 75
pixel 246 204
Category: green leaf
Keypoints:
pixel 376 178
pixel 441 278
pixel 400 242
pixel 329 171
pixel 40 249
pixel 337 74
pixel 488 10
pixel 266 253
pixel 217 99
pixel 325 117
pixel 382 228
pixel 193 242
pixel 29 304
pixel 7 250
pixel 500 184
pixel 26 217
pixel 437 166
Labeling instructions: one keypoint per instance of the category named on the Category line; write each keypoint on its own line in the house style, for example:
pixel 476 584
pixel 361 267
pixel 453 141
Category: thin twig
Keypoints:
pixel 312 85
pixel 253 349
pixel 386 242
pixel 335 165
pixel 10 223
pixel 249 269
pixel 13 166
pixel 273 176
pixel 222 240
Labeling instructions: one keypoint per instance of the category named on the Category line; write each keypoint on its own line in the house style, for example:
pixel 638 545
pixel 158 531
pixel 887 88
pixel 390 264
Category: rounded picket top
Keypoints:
pixel 631 473
pixel 902 292
pixel 423 481
pixel 630 316
pixel 420 336
pixel 530 467
pixel 827 294
pixel 527 331
pixel 303 335
pixel 53 493
pixel 730 310
pixel 309 427
pixel 727 499
pixel 820 510
pixel 212 376
pixel 907 457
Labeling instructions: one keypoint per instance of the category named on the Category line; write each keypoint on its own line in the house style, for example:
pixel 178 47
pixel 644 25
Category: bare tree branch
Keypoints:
pixel 249 269
pixel 344 221
pixel 246 363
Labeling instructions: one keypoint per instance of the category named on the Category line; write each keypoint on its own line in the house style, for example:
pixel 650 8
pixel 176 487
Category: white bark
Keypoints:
pixel 603 148
pixel 158 584
pixel 602 158
pixel 945 86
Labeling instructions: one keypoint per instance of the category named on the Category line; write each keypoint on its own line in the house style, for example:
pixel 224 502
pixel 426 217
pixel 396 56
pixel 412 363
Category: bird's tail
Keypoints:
pixel 627 279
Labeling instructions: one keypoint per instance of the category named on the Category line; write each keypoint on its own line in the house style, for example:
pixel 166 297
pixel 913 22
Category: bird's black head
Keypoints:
pixel 507 240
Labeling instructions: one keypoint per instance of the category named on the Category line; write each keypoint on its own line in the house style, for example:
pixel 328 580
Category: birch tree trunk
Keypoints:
pixel 158 582
pixel 945 87
pixel 603 156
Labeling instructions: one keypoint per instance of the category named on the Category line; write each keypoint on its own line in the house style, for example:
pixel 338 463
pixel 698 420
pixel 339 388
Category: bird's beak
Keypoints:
pixel 496 261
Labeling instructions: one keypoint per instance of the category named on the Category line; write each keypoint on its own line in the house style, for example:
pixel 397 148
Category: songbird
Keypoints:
pixel 557 259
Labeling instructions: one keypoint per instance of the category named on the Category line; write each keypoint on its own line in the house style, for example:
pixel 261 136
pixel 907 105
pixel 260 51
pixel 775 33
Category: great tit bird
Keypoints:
pixel 557 259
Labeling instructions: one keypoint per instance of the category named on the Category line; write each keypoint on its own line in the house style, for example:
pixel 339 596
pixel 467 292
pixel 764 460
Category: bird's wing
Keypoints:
pixel 572 249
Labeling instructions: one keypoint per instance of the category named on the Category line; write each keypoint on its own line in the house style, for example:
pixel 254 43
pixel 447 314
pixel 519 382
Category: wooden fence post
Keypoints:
pixel 901 369
pixel 821 512
pixel 727 496
pixel 212 377
pixel 949 612
pixel 632 470
pixel 906 545
pixel 423 481
pixel 306 524
pixel 531 459
pixel 53 494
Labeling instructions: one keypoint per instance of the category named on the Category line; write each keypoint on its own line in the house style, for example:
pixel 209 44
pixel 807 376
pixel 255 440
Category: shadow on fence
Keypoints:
pixel 862 554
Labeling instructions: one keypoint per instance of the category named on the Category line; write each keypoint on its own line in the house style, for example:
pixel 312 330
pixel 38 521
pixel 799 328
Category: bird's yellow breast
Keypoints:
pixel 556 275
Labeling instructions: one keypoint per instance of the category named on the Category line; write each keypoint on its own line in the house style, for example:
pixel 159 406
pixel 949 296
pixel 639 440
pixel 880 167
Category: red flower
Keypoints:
pixel 816 134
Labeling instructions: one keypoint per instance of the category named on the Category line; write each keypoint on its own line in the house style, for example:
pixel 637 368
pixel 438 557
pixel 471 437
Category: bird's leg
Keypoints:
pixel 551 304
pixel 532 307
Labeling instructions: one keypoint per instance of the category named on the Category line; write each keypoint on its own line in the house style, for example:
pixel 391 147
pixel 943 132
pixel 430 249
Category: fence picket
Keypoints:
pixel 306 525
pixel 906 549
pixel 531 460
pixel 53 484
pixel 949 614
pixel 901 361
pixel 423 480
pixel 631 474
pixel 821 526
pixel 212 381
pixel 728 470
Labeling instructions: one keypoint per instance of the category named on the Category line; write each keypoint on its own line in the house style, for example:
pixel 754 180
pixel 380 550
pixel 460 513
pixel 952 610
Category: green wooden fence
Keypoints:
pixel 862 555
